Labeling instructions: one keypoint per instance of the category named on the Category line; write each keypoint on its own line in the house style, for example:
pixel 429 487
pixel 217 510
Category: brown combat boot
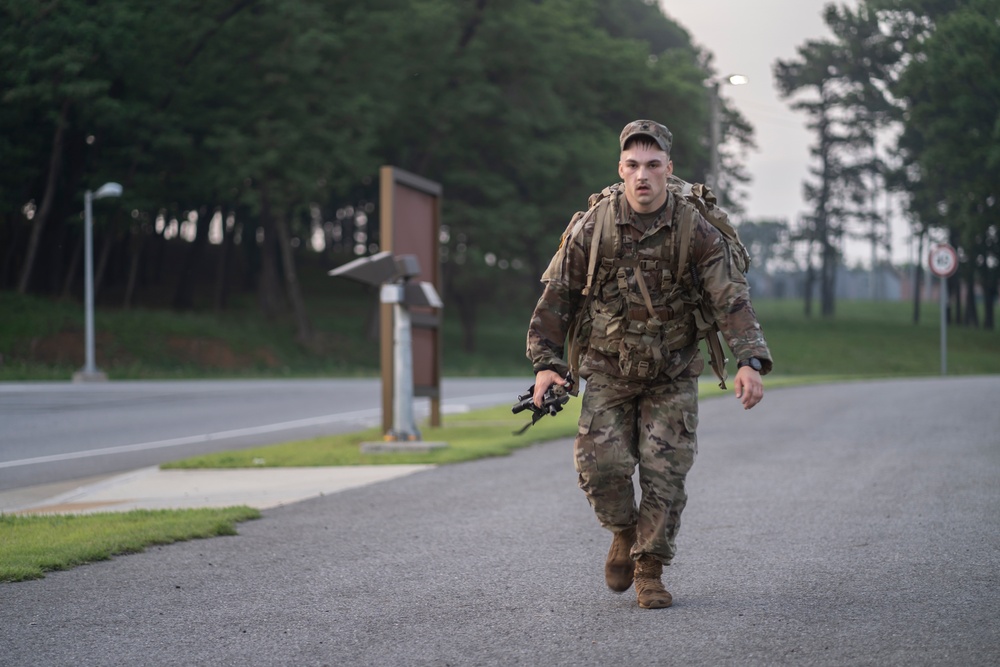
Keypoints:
pixel 619 567
pixel 648 587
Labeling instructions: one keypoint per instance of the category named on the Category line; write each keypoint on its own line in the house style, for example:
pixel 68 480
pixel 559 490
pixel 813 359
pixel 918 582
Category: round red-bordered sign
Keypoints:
pixel 942 260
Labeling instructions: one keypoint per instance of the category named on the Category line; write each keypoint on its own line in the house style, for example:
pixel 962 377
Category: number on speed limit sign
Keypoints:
pixel 943 260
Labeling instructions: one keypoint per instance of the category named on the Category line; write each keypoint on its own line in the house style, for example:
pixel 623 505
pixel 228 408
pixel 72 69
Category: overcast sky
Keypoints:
pixel 747 37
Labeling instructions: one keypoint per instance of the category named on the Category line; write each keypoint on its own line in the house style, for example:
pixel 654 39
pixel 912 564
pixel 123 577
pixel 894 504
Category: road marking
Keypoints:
pixel 204 437
pixel 357 415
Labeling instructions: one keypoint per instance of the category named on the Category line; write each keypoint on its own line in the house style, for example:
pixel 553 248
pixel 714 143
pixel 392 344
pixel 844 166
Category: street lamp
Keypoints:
pixel 89 372
pixel 715 102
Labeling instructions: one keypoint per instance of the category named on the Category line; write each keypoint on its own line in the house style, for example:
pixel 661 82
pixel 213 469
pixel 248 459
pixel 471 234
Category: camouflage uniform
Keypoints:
pixel 626 420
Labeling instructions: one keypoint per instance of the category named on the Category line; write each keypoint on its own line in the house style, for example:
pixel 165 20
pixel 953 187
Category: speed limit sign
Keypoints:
pixel 943 260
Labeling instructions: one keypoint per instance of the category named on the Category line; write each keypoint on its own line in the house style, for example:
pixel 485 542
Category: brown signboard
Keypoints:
pixel 410 209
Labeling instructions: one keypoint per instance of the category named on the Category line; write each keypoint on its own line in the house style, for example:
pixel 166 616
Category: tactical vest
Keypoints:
pixel 643 301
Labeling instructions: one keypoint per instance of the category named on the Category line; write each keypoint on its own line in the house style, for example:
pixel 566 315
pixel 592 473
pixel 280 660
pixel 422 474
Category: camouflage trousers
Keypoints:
pixel 628 423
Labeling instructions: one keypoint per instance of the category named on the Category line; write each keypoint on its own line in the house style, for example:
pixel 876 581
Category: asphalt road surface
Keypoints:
pixel 850 524
pixel 52 432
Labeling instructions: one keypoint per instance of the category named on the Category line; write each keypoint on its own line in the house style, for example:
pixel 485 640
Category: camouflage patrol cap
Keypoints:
pixel 660 135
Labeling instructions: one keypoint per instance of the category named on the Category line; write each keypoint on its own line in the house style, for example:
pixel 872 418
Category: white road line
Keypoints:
pixel 205 437
pixel 356 415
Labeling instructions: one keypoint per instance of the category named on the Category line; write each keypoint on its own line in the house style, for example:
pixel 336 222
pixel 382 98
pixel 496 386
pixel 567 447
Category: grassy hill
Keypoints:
pixel 42 339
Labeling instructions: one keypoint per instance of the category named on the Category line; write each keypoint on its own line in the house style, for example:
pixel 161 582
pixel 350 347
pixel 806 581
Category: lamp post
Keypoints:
pixel 89 372
pixel 715 109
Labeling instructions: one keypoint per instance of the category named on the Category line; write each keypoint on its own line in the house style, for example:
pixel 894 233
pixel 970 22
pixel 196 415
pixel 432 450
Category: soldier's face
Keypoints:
pixel 645 168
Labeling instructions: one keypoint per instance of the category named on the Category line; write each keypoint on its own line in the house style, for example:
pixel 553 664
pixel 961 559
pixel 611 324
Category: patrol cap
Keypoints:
pixel 659 134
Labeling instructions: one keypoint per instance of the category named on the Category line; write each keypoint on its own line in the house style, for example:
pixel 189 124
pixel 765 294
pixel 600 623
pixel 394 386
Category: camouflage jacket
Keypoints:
pixel 619 336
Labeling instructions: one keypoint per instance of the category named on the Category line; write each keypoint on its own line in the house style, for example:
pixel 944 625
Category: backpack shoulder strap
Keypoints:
pixel 602 208
pixel 684 251
pixel 602 215
pixel 595 250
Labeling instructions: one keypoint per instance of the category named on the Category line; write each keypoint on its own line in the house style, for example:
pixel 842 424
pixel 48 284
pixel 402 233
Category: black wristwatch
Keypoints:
pixel 752 362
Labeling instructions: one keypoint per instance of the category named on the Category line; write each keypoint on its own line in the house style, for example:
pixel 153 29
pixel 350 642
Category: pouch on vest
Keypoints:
pixel 641 354
pixel 607 327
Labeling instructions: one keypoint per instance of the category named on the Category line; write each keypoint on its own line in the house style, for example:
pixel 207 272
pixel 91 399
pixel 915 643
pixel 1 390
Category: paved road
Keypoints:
pixel 51 432
pixel 853 524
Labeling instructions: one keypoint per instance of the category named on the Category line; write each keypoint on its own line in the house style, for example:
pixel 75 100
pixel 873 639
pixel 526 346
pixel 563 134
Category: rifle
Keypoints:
pixel 553 400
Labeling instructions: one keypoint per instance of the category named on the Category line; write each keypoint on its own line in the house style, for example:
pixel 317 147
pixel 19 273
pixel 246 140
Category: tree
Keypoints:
pixel 815 72
pixel 844 83
pixel 54 78
pixel 952 134
pixel 273 114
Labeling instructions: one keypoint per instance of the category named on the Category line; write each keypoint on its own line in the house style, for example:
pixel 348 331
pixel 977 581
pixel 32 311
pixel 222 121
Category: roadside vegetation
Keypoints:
pixel 41 339
pixel 33 545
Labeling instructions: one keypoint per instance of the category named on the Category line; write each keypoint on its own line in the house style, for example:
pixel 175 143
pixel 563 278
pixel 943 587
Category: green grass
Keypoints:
pixel 872 339
pixel 42 340
pixel 35 544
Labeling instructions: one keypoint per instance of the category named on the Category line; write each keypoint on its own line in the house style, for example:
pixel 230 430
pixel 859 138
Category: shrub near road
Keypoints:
pixel 33 545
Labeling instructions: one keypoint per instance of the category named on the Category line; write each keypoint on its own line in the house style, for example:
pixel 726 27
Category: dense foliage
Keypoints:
pixel 249 132
pixel 925 73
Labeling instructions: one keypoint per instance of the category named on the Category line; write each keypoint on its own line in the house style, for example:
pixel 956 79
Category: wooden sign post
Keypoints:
pixel 410 212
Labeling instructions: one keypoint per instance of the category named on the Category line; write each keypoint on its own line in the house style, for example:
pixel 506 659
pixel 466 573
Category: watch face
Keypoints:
pixel 755 363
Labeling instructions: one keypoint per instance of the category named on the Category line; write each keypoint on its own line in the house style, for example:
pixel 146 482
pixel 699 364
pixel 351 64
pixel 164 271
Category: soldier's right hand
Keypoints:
pixel 544 380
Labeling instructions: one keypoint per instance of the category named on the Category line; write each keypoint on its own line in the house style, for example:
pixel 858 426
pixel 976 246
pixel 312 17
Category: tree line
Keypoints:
pixel 923 73
pixel 248 134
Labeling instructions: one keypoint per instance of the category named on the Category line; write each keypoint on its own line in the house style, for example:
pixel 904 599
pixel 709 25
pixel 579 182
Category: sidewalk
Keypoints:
pixel 152 488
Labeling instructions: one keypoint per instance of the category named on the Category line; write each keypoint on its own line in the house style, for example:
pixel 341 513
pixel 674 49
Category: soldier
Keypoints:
pixel 634 336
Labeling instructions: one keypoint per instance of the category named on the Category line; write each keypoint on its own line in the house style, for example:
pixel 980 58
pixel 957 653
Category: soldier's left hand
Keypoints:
pixel 749 387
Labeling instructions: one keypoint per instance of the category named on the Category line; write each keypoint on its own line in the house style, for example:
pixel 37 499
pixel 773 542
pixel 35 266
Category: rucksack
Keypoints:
pixel 603 245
